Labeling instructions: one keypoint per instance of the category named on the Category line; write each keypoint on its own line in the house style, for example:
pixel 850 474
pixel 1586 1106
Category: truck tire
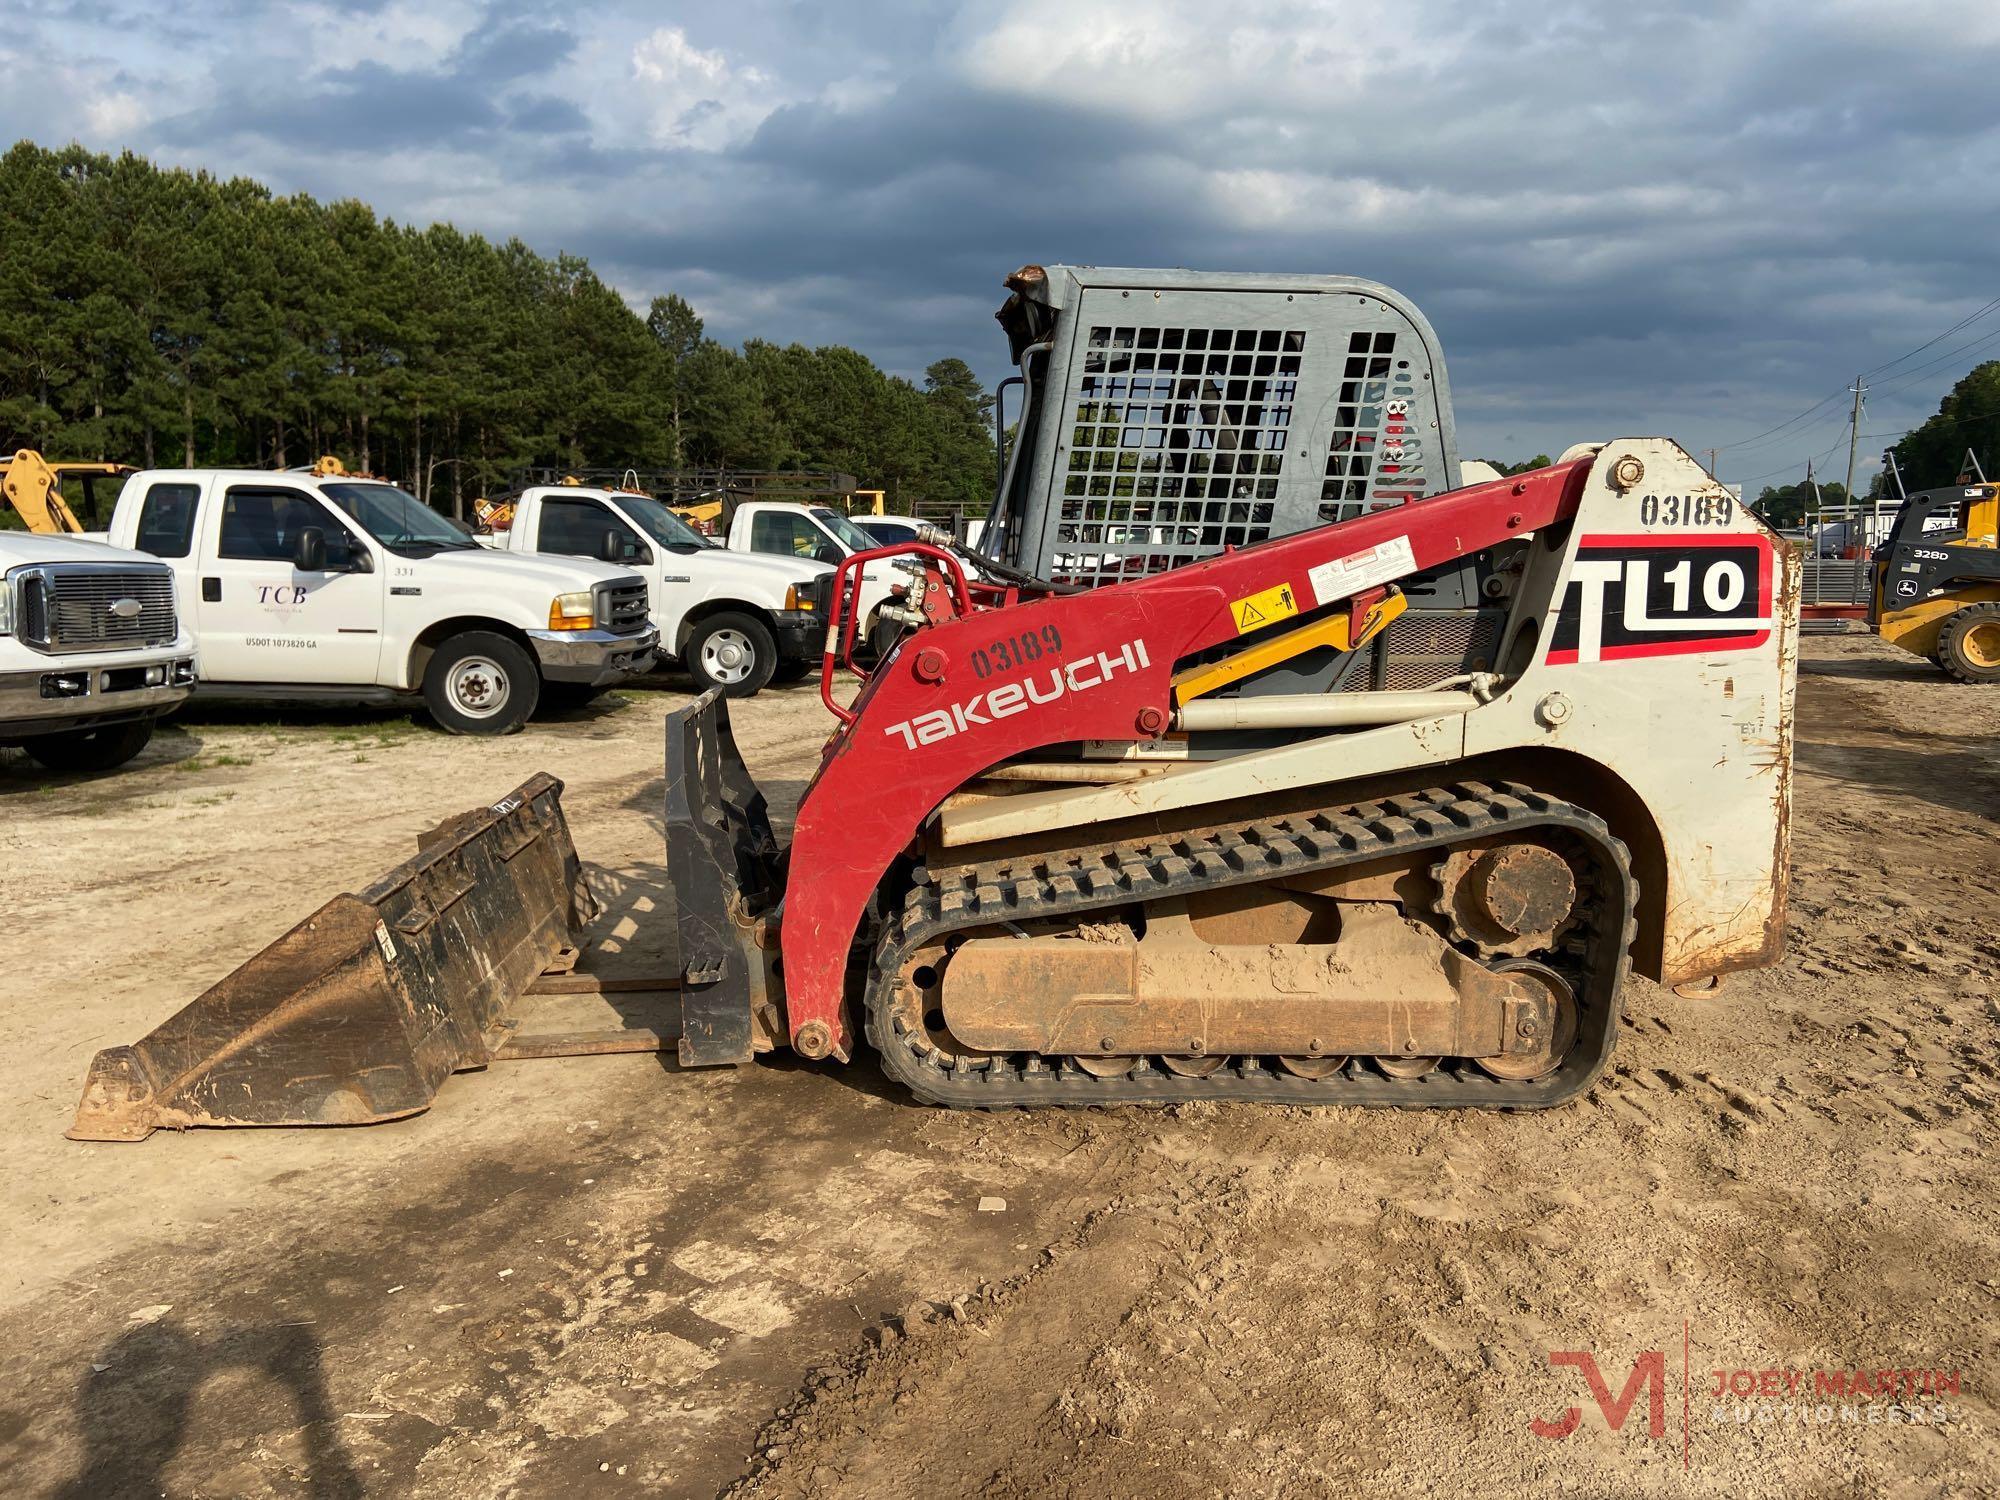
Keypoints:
pixel 1969 644
pixel 732 651
pixel 481 683
pixel 91 749
pixel 883 635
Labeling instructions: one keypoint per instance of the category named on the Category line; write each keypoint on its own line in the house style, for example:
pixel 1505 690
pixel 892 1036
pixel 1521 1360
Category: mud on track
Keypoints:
pixel 604 1274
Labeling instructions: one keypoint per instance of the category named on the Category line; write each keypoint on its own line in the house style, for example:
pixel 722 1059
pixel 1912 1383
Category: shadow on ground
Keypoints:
pixel 133 1405
pixel 1903 668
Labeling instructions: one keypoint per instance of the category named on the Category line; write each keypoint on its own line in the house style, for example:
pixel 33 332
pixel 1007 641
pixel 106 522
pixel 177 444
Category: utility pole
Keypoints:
pixel 1854 434
pixel 1711 452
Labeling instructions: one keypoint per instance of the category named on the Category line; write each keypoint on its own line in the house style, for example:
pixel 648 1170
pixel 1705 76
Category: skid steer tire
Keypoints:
pixel 481 683
pixel 1969 644
pixel 88 750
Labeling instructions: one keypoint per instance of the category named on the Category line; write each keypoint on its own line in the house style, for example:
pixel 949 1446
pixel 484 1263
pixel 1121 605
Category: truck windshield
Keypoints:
pixel 660 523
pixel 400 522
pixel 852 536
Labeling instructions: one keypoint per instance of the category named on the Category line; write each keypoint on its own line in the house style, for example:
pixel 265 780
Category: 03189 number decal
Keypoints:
pixel 1009 652
pixel 1686 510
pixel 1664 595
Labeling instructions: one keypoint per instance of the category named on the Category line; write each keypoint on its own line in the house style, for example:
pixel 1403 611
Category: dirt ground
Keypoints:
pixel 604 1276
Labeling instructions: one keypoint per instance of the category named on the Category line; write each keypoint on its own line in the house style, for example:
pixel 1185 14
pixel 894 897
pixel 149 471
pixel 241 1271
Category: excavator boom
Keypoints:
pixel 33 487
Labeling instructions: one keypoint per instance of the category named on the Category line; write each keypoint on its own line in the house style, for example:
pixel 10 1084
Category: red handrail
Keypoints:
pixel 842 620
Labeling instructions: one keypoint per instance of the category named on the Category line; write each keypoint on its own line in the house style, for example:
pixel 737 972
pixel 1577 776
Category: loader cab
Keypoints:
pixel 1168 416
pixel 1919 554
pixel 1214 410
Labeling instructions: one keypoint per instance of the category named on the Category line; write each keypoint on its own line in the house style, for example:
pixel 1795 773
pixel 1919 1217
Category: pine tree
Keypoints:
pixel 163 316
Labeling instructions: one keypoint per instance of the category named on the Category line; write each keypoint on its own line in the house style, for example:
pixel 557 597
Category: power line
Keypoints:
pixel 1961 323
pixel 1793 421
pixel 1941 421
pixel 1746 442
pixel 1909 376
pixel 1829 449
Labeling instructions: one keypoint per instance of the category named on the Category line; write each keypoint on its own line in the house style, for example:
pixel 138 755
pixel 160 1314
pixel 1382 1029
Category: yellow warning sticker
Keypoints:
pixel 1255 611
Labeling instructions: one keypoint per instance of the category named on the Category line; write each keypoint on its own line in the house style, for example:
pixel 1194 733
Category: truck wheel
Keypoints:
pixel 481 683
pixel 1969 644
pixel 734 652
pixel 883 635
pixel 91 749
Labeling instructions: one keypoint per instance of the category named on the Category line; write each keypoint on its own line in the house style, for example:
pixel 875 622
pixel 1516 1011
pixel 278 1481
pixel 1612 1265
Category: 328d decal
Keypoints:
pixel 1664 595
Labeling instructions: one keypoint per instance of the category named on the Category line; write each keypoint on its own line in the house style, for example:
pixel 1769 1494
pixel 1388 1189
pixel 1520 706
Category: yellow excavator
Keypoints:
pixel 34 488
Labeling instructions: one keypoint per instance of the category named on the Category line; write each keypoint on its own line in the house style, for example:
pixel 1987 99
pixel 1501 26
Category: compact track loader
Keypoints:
pixel 1259 766
pixel 1937 580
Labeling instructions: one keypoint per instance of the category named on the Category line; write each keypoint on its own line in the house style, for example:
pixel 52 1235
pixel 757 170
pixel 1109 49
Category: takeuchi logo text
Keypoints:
pixel 1010 698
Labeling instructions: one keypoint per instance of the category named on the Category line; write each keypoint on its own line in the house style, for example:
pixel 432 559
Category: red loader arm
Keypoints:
pixel 957 698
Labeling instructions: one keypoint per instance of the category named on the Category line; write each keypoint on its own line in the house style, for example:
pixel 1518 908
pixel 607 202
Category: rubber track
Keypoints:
pixel 1077 881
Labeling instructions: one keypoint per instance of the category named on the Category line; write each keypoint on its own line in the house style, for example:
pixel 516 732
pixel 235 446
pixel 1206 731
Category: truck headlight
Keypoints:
pixel 797 598
pixel 572 612
pixel 6 607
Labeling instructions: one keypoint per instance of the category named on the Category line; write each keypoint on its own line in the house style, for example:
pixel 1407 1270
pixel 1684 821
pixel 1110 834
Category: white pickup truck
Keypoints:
pixel 346 588
pixel 732 621
pixel 818 533
pixel 92 650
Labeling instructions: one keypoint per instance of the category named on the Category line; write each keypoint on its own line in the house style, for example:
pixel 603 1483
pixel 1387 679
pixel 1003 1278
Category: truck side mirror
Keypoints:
pixel 309 550
pixel 345 555
pixel 610 546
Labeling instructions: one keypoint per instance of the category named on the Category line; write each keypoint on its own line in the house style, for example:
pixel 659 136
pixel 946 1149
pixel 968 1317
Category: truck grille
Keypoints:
pixel 625 609
pixel 69 607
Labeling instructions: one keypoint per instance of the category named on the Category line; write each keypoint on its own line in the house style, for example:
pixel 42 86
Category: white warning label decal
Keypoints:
pixel 1344 577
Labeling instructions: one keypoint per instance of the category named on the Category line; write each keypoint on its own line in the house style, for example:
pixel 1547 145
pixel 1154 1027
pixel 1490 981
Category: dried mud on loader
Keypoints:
pixel 606 1274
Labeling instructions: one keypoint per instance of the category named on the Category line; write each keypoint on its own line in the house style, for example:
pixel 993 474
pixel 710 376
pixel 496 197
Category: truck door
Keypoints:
pixel 266 619
pixel 582 527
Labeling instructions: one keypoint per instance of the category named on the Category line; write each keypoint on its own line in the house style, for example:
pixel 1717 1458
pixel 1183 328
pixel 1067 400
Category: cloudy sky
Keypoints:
pixel 1622 218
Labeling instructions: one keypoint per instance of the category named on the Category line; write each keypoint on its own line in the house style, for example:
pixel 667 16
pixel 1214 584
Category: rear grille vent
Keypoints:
pixel 70 607
pixel 1420 649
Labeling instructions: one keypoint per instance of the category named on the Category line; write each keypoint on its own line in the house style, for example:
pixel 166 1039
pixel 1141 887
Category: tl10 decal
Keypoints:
pixel 1663 595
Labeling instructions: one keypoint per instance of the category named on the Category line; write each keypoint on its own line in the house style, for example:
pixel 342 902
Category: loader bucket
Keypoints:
pixel 724 865
pixel 361 1011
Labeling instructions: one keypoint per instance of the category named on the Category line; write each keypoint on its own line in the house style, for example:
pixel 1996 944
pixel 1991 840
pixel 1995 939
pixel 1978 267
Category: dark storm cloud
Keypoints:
pixel 545 114
pixel 1619 217
pixel 510 49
